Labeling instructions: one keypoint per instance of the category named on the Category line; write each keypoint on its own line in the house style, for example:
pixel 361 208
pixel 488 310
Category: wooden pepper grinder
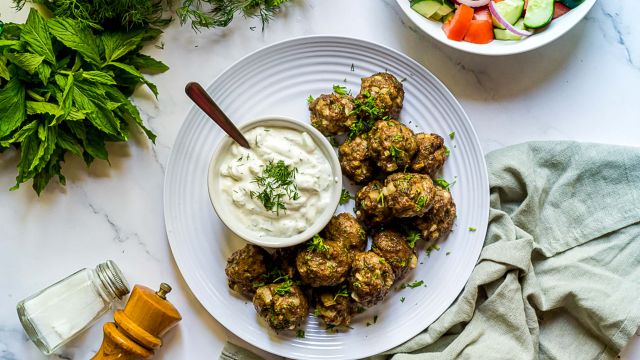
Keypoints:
pixel 136 331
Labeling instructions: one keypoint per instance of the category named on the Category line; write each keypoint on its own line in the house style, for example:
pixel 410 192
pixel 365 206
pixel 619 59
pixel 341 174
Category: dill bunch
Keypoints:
pixel 219 13
pixel 112 15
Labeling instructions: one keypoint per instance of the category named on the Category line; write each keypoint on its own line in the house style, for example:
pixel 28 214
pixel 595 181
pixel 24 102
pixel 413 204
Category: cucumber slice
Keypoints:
pixel 501 34
pixel 445 8
pixel 436 17
pixel 539 13
pixel 571 4
pixel 426 8
pixel 510 10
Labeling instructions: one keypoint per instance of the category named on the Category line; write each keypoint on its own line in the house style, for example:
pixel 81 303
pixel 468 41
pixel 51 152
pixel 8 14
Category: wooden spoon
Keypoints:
pixel 206 103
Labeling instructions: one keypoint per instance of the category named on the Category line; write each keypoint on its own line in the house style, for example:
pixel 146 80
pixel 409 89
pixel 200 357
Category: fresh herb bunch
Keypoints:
pixel 219 13
pixel 113 15
pixel 64 89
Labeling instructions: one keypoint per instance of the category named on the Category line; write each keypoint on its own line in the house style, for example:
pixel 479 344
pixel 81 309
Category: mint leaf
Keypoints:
pixel 128 111
pixel 77 36
pixel 116 45
pixel 29 62
pixel 97 114
pixel 21 134
pixel 99 77
pixel 12 107
pixel 69 143
pixel 40 107
pixel 35 33
pixel 148 65
pixel 44 72
pixel 4 71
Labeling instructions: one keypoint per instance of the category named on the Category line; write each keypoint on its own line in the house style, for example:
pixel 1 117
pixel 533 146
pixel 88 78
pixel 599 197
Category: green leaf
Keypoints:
pixel 129 112
pixel 21 134
pixel 27 61
pixel 4 71
pixel 51 169
pixel 77 36
pixel 128 68
pixel 12 107
pixel 44 72
pixel 69 143
pixel 8 43
pixel 99 77
pixel 97 114
pixel 116 45
pixel 28 153
pixel 39 107
pixel 35 151
pixel 146 64
pixel 35 33
pixel 67 95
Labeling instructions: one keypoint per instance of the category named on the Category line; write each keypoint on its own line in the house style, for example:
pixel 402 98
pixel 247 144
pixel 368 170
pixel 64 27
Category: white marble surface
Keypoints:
pixel 582 87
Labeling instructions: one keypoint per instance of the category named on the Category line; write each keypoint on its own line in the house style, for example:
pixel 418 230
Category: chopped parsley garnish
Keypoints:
pixel 394 152
pixel 310 99
pixel 375 319
pixel 368 323
pixel 340 89
pixel 342 292
pixel 367 112
pixel 276 182
pixel 381 198
pixel 421 202
pixel 431 248
pixel 402 299
pixel 442 183
pixel 447 151
pixel 472 229
pixel 316 312
pixel 317 244
pixel 452 135
pixel 300 334
pixel 412 238
pixel 448 253
pixel 345 196
pixel 284 287
pixel 333 141
pixel 353 68
pixel 360 309
pixel 415 284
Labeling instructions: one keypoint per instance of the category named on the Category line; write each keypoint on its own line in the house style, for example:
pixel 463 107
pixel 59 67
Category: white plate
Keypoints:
pixel 497 47
pixel 277 80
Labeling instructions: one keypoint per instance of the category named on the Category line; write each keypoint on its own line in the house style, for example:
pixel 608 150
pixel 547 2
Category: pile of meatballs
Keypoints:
pixel 334 272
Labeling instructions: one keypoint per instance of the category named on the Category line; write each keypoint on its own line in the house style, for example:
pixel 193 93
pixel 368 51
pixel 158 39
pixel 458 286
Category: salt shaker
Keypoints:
pixel 58 313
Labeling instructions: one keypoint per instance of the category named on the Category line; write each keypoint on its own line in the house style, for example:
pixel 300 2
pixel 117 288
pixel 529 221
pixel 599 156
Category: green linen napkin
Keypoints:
pixel 559 275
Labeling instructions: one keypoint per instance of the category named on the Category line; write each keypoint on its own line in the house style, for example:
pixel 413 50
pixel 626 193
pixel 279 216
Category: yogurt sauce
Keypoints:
pixel 313 180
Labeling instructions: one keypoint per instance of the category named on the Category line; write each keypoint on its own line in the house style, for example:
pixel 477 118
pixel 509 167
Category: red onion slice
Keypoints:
pixel 505 23
pixel 474 3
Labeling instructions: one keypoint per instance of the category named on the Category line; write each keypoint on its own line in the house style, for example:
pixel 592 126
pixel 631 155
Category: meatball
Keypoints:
pixel 284 260
pixel 346 230
pixel 436 223
pixel 431 154
pixel 282 305
pixel 323 263
pixel 371 207
pixel 370 279
pixel 354 159
pixel 246 268
pixel 409 194
pixel 333 306
pixel 332 114
pixel 393 247
pixel 391 145
pixel 386 92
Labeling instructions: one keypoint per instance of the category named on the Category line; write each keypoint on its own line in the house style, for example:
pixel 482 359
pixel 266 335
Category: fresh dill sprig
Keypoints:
pixel 317 244
pixel 367 112
pixel 276 181
pixel 442 183
pixel 342 292
pixel 220 13
pixel 310 99
pixel 395 152
pixel 340 89
pixel 345 196
pixel 421 202
pixel 412 238
pixel 300 334
pixel 415 284
pixel 284 287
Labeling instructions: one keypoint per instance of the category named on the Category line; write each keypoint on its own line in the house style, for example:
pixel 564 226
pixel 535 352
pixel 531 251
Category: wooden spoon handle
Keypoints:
pixel 206 103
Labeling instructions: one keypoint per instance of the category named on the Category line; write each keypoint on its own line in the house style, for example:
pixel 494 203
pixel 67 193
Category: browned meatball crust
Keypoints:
pixel 436 224
pixel 409 194
pixel 332 113
pixel 333 306
pixel 282 305
pixel 391 145
pixel 354 159
pixel 393 247
pixel 386 91
pixel 323 263
pixel 370 279
pixel 284 260
pixel 346 230
pixel 431 154
pixel 371 206
pixel 247 268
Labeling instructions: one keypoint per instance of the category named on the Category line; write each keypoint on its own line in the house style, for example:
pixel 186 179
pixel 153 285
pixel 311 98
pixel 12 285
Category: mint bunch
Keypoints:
pixel 64 89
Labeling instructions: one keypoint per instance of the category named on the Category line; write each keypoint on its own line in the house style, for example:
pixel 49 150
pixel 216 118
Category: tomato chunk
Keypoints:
pixel 559 10
pixel 480 32
pixel 456 28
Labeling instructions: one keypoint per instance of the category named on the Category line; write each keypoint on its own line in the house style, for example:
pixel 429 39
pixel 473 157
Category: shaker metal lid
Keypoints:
pixel 112 277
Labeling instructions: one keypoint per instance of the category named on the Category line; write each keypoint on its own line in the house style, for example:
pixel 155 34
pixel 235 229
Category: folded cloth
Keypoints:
pixel 559 275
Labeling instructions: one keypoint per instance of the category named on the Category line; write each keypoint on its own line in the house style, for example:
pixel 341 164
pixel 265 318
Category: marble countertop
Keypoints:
pixel 582 87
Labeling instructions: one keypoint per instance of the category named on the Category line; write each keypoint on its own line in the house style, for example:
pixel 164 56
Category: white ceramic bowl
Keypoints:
pixel 223 207
pixel 497 47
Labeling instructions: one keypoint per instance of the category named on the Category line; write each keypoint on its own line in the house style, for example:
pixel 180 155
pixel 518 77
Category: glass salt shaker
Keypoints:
pixel 61 311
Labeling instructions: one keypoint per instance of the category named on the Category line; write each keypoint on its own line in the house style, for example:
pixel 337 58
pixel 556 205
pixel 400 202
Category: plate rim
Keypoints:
pixel 481 229
pixel 483 49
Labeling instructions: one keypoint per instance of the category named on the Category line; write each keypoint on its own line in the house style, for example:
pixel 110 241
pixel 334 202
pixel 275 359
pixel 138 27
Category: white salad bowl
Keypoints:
pixel 555 29
pixel 222 205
